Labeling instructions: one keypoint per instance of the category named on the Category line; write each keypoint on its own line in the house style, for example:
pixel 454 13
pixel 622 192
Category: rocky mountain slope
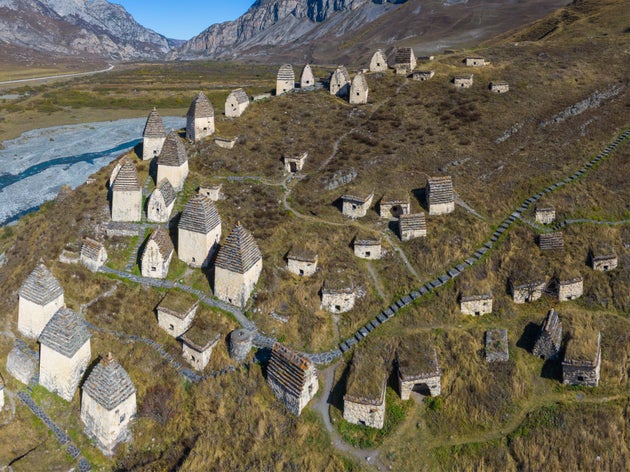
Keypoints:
pixel 79 27
pixel 327 31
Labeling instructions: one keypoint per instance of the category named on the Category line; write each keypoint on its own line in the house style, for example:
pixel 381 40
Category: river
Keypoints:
pixel 36 165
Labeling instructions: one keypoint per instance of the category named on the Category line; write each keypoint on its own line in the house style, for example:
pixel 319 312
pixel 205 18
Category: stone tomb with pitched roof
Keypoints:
pixel 440 195
pixel 378 63
pixel 302 262
pixel 340 82
pixel 549 339
pixel 285 80
pixel 64 353
pixel 292 378
pixel 157 254
pixel 40 296
pixel 199 231
pixel 161 202
pixel 359 90
pixel 108 404
pixel 307 79
pixel 237 267
pixel 338 296
pixel 236 103
pixel 417 367
pixel 176 312
pixel 200 118
pixel 93 254
pixel 172 163
pixel 404 61
pixel 551 241
pixel 126 194
pixel 583 358
pixel 412 226
pixel 153 136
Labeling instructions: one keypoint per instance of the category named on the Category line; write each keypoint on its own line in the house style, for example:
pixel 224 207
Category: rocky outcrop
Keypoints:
pixel 79 27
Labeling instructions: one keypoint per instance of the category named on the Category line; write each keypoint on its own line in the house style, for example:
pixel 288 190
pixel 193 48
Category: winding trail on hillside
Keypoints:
pixel 59 76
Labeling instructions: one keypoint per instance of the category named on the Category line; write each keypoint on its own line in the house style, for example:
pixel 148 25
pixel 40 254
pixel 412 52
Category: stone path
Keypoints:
pixel 63 438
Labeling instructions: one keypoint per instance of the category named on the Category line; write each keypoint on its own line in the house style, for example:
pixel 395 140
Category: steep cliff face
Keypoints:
pixel 79 27
pixel 274 22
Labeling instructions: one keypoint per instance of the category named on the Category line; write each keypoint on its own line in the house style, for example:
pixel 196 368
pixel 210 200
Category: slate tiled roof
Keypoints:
pixel 412 222
pixel 154 128
pixel 173 153
pixel 403 56
pixel 163 242
pixel 90 249
pixel 440 190
pixel 200 107
pixel 127 178
pixel 167 191
pixel 109 384
pixel 65 333
pixel 551 241
pixel 239 252
pixel 240 96
pixel 288 368
pixel 286 72
pixel 199 215
pixel 40 286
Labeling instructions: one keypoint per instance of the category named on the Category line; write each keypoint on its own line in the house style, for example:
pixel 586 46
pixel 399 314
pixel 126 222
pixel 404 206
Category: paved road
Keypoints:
pixel 60 76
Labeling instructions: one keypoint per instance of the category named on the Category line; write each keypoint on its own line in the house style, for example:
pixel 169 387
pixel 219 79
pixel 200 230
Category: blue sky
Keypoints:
pixel 183 19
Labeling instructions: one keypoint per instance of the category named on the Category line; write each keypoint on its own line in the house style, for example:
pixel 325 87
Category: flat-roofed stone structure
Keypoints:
pixel 551 241
pixel 237 267
pixel 240 344
pixel 292 378
pixel 126 194
pixel 200 118
pixel 21 364
pixel 64 353
pixel 545 215
pixel 392 206
pixel 93 254
pixel 549 339
pixel 340 82
pixel 367 248
pixel 236 103
pixel 359 90
pixel 199 231
pixel 463 80
pixel 153 136
pixel 570 284
pixel 39 298
pixel 356 207
pixel 404 61
pixel 475 61
pixel 161 202
pixel 157 254
pixel 197 345
pixel 378 63
pixel 417 367
pixel 172 163
pixel 497 349
pixel 108 404
pixel 294 164
pixel 582 358
pixel 412 226
pixel 422 75
pixel 307 79
pixel 526 286
pixel 213 192
pixel 338 296
pixel 499 86
pixel 603 258
pixel 176 312
pixel 226 143
pixel 285 80
pixel 475 303
pixel 440 195
pixel 302 262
